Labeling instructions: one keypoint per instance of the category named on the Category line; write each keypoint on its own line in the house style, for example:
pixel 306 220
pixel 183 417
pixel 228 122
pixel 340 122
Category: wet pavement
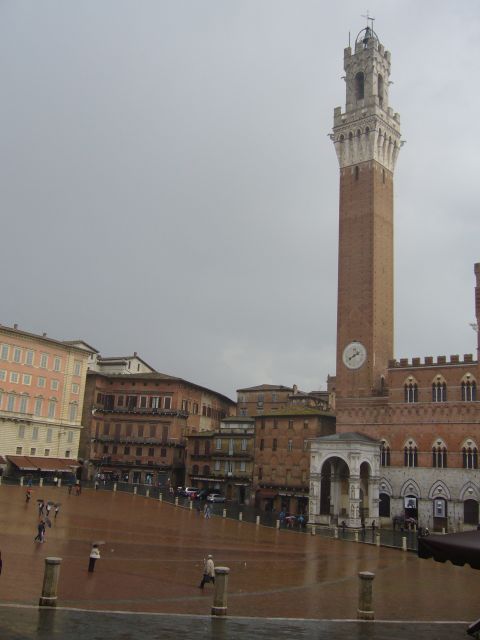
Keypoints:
pixel 16 624
pixel 153 557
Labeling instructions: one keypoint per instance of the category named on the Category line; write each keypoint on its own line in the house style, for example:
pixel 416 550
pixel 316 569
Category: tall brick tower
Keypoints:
pixel 367 142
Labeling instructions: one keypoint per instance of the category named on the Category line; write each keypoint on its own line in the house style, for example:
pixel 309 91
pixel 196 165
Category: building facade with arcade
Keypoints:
pixel 408 430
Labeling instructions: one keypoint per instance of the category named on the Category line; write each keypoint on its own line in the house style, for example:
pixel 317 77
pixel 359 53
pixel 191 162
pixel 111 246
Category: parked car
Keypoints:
pixel 203 494
pixel 215 497
pixel 189 492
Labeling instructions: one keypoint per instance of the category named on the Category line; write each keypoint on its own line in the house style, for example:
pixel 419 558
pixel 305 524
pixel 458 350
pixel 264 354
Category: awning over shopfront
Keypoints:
pixel 267 493
pixel 55 465
pixel 459 548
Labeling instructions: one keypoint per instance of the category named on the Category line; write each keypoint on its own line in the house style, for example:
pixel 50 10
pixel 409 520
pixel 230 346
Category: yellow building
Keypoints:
pixel 42 384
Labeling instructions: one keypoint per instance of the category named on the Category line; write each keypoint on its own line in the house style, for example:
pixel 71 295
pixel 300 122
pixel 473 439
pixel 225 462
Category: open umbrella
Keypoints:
pixel 460 549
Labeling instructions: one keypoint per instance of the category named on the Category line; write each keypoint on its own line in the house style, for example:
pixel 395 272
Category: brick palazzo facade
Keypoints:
pixel 137 423
pixel 408 431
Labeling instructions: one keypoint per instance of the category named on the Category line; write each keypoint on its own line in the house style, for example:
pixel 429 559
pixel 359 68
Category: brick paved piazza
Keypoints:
pixel 152 562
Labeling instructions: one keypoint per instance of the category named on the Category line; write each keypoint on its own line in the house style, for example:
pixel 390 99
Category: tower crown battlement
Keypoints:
pixel 368 129
pixel 430 361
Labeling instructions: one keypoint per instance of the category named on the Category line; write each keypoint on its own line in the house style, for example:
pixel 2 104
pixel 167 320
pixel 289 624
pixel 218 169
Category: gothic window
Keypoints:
pixel 385 454
pixel 470 455
pixel 410 454
pixel 411 391
pixel 469 390
pixel 439 391
pixel 439 455
pixel 380 90
pixel 359 86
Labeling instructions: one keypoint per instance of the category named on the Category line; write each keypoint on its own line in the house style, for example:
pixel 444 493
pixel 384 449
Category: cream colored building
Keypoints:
pixel 42 384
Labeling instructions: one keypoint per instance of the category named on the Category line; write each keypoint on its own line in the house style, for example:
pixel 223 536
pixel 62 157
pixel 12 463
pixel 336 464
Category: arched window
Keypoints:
pixel 469 389
pixel 439 390
pixel 410 453
pixel 380 90
pixel 439 455
pixel 385 454
pixel 411 391
pixel 359 86
pixel 470 455
pixel 195 470
pixel 206 470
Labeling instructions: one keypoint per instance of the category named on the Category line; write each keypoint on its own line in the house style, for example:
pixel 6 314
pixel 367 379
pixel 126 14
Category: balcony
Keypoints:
pixel 136 441
pixel 141 411
pixel 235 455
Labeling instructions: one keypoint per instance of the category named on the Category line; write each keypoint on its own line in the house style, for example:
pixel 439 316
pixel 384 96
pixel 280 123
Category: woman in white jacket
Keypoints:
pixel 94 556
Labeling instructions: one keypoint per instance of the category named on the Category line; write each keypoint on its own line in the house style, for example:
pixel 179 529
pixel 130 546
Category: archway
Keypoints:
pixel 334 492
pixel 470 512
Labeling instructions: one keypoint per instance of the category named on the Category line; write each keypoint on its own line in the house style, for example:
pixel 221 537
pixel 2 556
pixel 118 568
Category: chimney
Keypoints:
pixel 44 334
pixel 15 326
pixel 134 354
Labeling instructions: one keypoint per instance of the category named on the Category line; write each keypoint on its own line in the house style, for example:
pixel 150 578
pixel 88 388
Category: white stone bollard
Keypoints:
pixel 50 582
pixel 443 530
pixel 114 486
pixel 314 530
pixel 59 482
pixel 277 524
pixel 135 489
pixel 240 516
pixel 160 497
pixel 335 532
pixel 40 484
pixel 190 506
pixel 224 514
pixel 176 501
pixel 365 596
pixel 356 535
pixel 377 539
pixel 219 607
pixel 21 481
pixel 257 520
pixel 404 543
pixel 147 493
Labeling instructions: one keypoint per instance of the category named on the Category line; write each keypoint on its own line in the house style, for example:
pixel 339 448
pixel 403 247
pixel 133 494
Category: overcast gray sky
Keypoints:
pixel 168 185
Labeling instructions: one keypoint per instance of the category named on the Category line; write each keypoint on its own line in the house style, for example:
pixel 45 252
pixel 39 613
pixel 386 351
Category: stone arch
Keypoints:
pixel 439 490
pixel 410 487
pixel 386 486
pixel 469 491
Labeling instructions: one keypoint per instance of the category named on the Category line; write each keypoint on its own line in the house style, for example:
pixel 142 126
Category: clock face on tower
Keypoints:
pixel 354 355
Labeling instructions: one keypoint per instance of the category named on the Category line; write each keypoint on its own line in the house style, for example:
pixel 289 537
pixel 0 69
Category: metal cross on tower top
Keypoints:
pixel 369 17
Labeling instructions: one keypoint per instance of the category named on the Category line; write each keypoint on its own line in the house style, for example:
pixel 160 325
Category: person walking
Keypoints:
pixel 41 506
pixel 41 532
pixel 208 571
pixel 57 509
pixel 28 495
pixel 94 556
